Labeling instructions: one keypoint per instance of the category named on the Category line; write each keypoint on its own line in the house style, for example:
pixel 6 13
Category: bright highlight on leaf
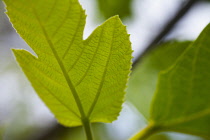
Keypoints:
pixel 77 79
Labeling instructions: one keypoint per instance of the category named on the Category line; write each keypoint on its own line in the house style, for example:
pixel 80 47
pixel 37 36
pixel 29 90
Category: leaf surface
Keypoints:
pixel 142 84
pixel 182 100
pixel 77 79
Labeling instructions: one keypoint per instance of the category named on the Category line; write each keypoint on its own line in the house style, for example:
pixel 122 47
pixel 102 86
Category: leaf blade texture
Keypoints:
pixel 76 78
pixel 183 91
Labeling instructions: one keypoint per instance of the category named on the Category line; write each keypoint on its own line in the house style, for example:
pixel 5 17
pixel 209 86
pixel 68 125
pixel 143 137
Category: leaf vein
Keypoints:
pixel 189 118
pixel 66 106
pixel 90 64
pixel 192 78
pixel 51 10
pixel 74 36
pixel 63 21
pixel 103 78
pixel 68 80
pixel 78 58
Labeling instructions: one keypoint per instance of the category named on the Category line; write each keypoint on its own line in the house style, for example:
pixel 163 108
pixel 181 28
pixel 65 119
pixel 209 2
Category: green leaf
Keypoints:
pixel 110 8
pixel 182 100
pixel 77 79
pixel 142 84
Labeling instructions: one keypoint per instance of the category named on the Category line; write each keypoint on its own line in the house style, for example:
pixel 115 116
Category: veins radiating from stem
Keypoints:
pixel 84 119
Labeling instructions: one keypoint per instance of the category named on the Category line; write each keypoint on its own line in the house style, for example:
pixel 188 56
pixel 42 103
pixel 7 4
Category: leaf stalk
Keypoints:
pixel 88 129
pixel 146 132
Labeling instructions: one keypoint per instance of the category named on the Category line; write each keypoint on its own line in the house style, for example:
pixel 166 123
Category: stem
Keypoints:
pixel 88 130
pixel 146 132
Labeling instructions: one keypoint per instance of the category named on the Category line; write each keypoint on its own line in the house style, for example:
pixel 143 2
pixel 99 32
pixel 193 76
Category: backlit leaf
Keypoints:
pixel 77 79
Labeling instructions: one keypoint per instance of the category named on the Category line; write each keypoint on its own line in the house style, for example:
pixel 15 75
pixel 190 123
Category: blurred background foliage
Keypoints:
pixel 24 117
pixel 143 81
pixel 110 8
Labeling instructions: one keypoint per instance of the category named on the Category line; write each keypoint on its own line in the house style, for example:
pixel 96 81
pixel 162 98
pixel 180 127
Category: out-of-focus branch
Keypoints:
pixel 167 28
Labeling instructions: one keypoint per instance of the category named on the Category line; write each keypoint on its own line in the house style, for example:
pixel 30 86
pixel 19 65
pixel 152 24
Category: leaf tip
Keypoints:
pixel 15 51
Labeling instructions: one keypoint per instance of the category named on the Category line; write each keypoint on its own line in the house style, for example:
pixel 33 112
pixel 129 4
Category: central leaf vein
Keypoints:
pixel 68 80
